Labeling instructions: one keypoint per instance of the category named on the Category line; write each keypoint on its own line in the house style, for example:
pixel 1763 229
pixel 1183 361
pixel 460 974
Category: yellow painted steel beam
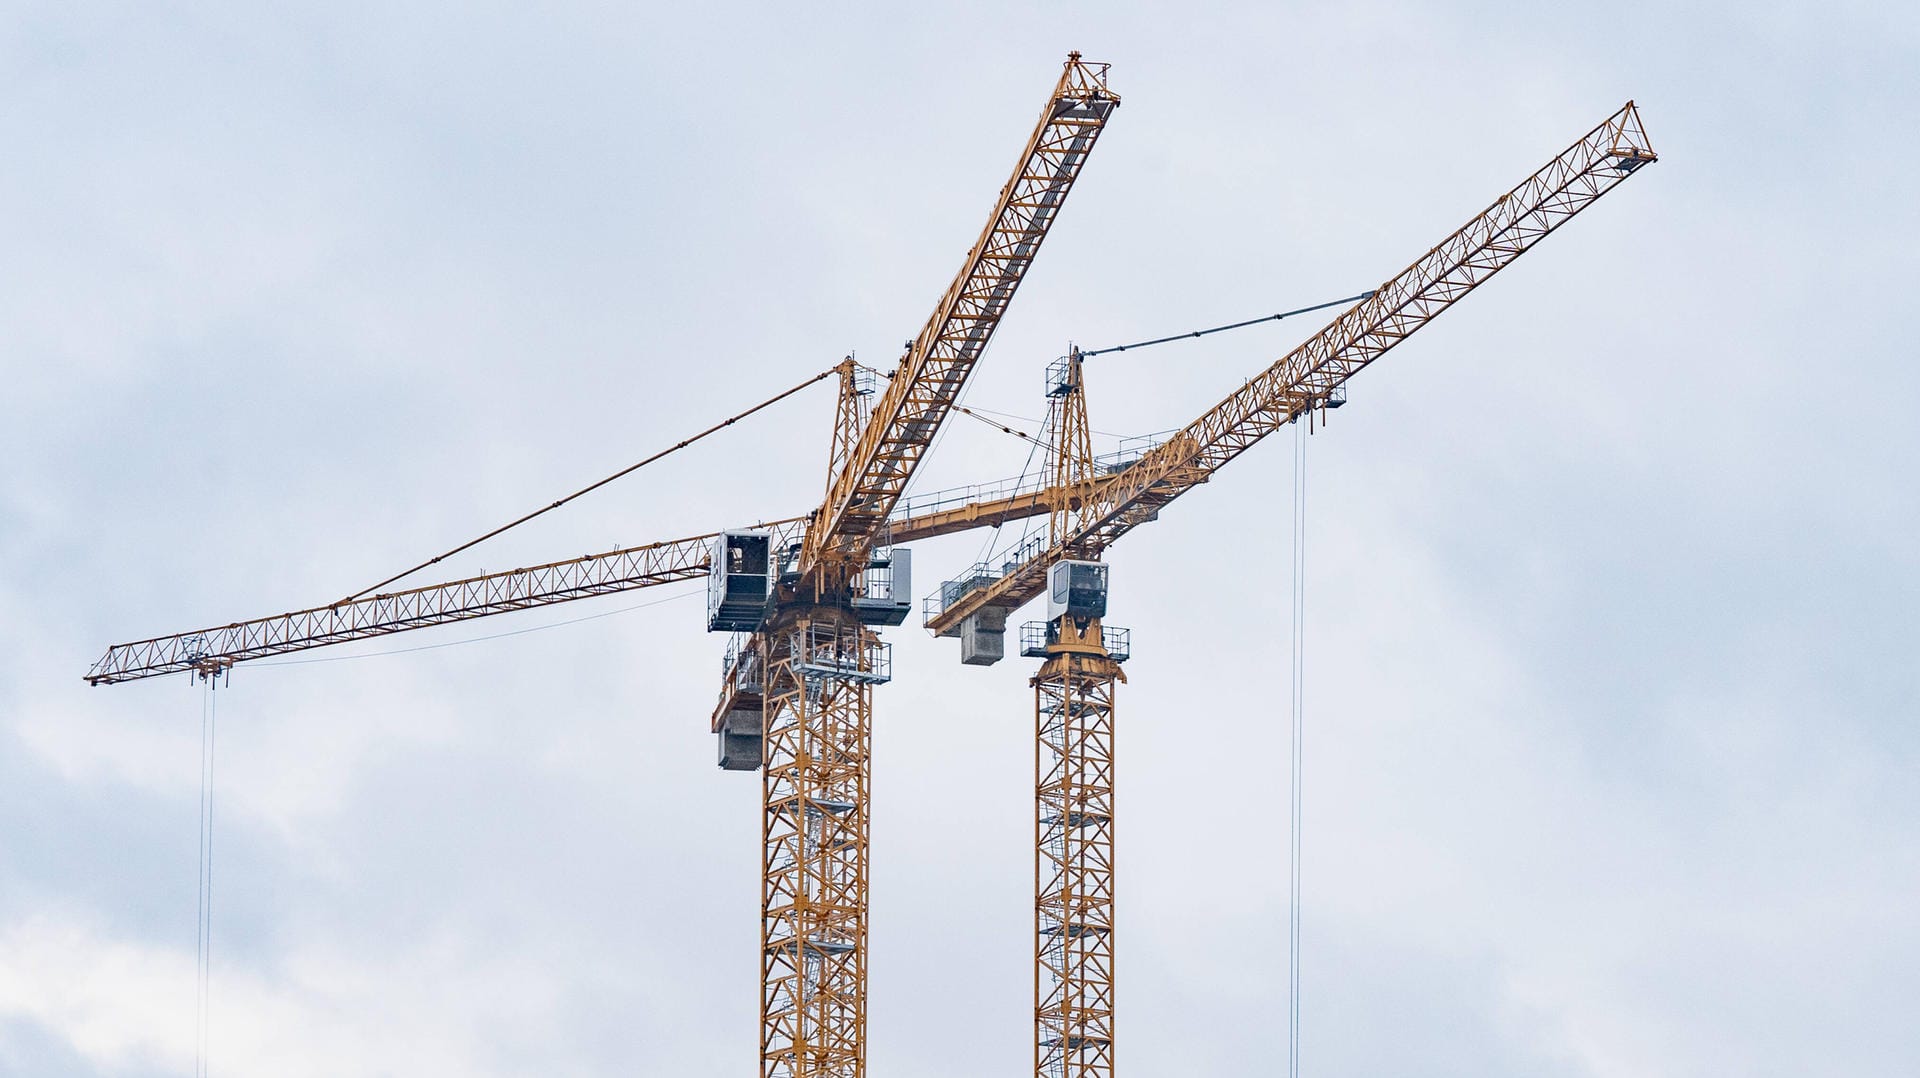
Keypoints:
pixel 992 511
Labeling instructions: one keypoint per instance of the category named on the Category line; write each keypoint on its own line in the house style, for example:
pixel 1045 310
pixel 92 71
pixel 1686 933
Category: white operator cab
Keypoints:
pixel 739 573
pixel 1077 588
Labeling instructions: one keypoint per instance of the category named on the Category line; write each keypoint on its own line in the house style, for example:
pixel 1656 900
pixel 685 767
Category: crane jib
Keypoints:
pixel 923 389
pixel 1307 377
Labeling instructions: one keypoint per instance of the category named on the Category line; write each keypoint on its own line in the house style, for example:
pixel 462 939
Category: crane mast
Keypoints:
pixel 1073 693
pixel 1073 908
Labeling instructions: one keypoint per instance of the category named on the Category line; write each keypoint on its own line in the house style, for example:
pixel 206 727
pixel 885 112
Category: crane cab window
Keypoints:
pixel 1078 588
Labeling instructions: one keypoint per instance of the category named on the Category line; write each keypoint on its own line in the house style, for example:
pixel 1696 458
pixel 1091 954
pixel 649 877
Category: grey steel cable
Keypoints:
pixel 591 487
pixel 1231 325
pixel 1297 748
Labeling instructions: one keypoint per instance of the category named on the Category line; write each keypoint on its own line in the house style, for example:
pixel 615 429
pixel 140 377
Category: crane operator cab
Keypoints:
pixel 737 581
pixel 1077 589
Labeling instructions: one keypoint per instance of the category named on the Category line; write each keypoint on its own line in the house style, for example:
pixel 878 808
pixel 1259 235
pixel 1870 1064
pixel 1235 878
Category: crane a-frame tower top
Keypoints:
pixel 805 593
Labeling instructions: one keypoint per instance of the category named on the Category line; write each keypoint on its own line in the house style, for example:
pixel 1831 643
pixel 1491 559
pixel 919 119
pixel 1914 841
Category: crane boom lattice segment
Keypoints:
pixel 923 389
pixel 1306 378
pixel 619 570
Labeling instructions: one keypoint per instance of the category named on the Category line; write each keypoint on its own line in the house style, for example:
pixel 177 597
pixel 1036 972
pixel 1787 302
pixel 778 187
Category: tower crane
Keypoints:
pixel 807 591
pixel 1087 513
pixel 803 596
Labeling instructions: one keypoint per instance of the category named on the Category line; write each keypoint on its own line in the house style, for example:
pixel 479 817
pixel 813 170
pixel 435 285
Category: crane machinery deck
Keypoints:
pixel 804 595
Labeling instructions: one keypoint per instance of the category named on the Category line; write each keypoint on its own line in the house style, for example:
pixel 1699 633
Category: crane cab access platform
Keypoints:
pixel 743 567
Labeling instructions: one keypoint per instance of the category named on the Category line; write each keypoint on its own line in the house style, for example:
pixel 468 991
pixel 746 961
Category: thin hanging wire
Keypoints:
pixel 200 890
pixel 1295 750
pixel 203 928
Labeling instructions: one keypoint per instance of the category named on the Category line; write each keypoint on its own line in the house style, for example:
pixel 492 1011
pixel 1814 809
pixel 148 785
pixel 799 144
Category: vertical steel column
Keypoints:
pixel 821 669
pixel 1073 859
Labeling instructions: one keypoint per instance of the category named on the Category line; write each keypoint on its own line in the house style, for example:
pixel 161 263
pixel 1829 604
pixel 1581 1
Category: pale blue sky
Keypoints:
pixel 1612 697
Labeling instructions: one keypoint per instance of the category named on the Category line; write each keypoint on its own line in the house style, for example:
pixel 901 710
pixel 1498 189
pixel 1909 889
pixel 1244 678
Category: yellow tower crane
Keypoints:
pixel 1074 688
pixel 802 595
pixel 806 591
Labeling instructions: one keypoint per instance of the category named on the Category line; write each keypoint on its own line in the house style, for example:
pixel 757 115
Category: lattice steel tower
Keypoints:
pixel 1073 852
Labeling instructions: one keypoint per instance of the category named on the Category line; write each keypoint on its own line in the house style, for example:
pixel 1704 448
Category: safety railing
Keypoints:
pixel 1037 636
pixel 847 653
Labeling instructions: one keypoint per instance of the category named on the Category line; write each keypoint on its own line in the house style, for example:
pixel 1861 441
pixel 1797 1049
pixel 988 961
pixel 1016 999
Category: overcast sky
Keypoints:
pixel 1612 705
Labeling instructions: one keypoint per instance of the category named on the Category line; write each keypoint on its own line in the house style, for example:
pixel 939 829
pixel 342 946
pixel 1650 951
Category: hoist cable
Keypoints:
pixel 200 890
pixel 1298 744
pixel 676 447
pixel 1232 325
pixel 203 928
